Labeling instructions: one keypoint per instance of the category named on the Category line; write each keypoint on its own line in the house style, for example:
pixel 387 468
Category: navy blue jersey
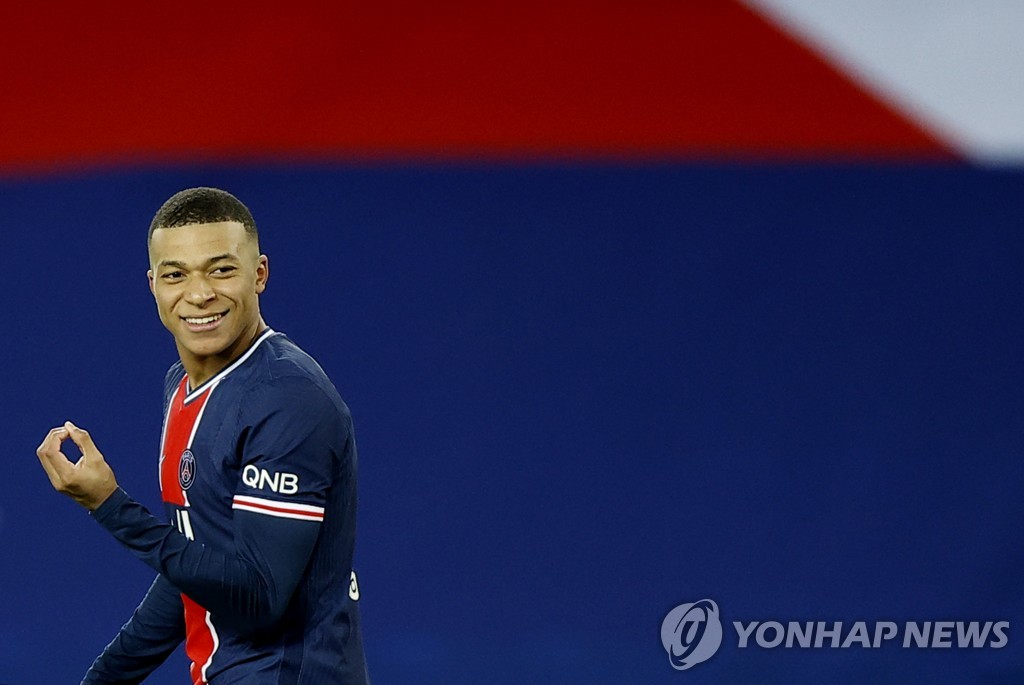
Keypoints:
pixel 258 477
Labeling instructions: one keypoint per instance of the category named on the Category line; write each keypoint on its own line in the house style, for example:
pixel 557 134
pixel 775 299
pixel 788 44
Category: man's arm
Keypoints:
pixel 251 585
pixel 145 641
pixel 249 592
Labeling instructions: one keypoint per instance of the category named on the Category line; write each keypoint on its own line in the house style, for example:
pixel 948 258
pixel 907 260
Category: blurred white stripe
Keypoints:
pixel 955 66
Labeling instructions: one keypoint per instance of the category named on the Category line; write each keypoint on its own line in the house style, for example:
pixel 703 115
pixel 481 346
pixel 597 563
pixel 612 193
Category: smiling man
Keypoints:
pixel 257 474
pixel 215 317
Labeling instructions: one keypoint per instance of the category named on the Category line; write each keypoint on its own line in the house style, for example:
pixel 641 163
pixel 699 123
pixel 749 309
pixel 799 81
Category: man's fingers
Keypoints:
pixel 81 437
pixel 89 481
pixel 54 434
pixel 51 443
pixel 52 459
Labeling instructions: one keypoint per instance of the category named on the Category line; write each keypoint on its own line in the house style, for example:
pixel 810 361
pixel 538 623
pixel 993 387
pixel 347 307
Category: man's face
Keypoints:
pixel 206 279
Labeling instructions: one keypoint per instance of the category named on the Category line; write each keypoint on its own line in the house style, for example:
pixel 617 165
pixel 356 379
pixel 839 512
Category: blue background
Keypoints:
pixel 583 395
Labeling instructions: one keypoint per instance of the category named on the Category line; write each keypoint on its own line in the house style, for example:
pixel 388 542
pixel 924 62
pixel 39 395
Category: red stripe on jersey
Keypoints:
pixel 304 511
pixel 182 420
pixel 179 429
pixel 200 640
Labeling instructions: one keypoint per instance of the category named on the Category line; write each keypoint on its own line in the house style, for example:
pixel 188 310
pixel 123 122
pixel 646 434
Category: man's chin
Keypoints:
pixel 202 348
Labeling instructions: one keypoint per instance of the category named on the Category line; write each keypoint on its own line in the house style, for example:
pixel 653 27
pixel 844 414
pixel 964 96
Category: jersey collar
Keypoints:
pixel 191 394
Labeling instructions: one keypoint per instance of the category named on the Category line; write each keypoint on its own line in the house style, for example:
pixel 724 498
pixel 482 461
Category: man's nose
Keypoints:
pixel 200 293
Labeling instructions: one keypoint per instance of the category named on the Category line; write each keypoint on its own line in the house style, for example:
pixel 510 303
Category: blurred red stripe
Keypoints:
pixel 705 78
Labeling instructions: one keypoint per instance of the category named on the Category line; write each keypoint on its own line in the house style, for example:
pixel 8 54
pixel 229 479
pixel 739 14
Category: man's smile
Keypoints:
pixel 203 323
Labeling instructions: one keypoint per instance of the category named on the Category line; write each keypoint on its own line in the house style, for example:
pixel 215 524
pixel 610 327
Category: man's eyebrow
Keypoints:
pixel 182 265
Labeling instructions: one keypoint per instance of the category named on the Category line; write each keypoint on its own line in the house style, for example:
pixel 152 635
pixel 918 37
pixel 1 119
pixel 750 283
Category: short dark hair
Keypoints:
pixel 202 206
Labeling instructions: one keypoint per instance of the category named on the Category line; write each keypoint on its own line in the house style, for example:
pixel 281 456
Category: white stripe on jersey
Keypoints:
pixel 199 416
pixel 163 438
pixel 216 646
pixel 192 393
pixel 301 512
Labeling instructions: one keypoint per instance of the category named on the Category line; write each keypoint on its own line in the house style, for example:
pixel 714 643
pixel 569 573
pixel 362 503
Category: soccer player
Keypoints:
pixel 257 475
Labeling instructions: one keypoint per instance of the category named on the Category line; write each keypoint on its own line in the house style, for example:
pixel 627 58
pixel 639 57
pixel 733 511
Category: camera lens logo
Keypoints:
pixel 691 633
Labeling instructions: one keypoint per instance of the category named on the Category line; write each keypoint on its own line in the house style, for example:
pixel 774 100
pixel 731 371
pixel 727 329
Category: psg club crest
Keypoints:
pixel 186 470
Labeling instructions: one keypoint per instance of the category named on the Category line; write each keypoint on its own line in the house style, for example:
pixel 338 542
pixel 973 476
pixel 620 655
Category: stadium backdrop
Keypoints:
pixel 633 307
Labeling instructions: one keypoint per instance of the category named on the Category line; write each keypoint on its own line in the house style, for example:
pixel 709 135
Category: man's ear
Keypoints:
pixel 149 277
pixel 262 273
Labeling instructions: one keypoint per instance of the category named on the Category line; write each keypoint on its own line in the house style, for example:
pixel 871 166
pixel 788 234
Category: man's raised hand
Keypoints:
pixel 89 481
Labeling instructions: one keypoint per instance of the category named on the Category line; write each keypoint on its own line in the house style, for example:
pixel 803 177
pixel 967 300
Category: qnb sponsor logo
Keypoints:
pixel 261 479
pixel 691 633
pixel 839 635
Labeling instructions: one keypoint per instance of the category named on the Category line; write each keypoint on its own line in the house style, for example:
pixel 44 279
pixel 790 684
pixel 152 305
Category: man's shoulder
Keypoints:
pixel 283 360
pixel 285 374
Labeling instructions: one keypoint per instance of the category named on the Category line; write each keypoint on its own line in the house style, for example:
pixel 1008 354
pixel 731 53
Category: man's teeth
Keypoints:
pixel 203 320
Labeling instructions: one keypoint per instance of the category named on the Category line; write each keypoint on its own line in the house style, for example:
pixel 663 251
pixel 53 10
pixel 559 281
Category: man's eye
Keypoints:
pixel 173 275
pixel 223 269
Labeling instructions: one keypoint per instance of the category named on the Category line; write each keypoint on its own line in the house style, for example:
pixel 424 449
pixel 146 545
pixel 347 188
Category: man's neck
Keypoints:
pixel 202 369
